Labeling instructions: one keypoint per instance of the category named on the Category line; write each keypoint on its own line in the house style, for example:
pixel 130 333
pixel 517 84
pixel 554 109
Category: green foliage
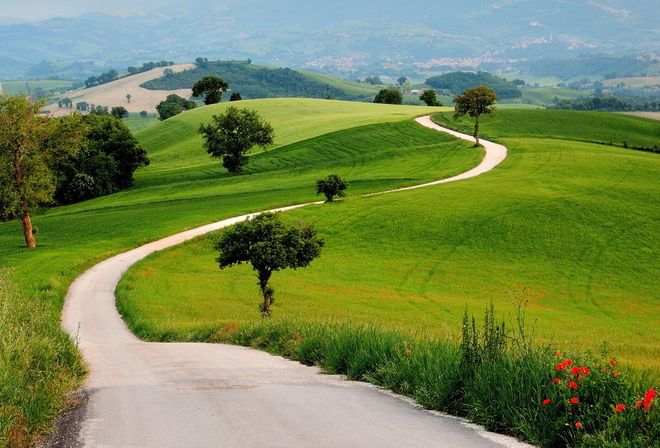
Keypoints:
pixel 373 80
pixel 332 185
pixel 39 365
pixel 608 103
pixel 211 87
pixel 173 105
pixel 105 166
pixel 103 78
pixel 458 82
pixel 254 82
pixel 430 98
pixel 119 112
pixel 475 102
pixel 269 245
pixel 389 96
pixel 232 134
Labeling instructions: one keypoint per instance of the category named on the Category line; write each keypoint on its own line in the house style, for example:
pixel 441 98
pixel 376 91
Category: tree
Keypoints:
pixel 430 98
pixel 212 87
pixel 401 80
pixel 119 112
pixel 331 186
pixel 373 80
pixel 235 96
pixel 144 114
pixel 475 102
pixel 173 105
pixel 232 134
pixel 106 165
pixel 128 98
pixel 269 245
pixel 29 143
pixel 389 96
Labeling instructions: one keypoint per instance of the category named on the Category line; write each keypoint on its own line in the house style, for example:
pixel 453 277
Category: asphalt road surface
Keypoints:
pixel 189 395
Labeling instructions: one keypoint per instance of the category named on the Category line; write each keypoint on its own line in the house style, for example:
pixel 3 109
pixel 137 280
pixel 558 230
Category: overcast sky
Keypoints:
pixel 45 9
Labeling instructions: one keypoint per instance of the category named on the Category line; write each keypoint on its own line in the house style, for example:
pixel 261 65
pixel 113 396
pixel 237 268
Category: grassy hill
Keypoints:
pixel 570 221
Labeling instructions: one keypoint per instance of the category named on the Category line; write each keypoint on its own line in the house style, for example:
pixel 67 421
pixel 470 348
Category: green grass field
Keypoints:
pixel 21 87
pixel 572 222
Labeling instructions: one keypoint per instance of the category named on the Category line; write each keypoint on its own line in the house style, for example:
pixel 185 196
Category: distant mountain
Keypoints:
pixel 345 38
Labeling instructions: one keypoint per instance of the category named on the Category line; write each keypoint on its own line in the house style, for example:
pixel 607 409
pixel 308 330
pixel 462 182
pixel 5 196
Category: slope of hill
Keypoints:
pixel 114 93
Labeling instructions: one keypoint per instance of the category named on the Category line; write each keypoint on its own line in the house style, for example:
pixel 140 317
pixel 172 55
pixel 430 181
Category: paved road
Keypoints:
pixel 188 395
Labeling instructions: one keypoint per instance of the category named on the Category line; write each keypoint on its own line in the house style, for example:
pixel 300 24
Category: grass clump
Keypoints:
pixel 39 365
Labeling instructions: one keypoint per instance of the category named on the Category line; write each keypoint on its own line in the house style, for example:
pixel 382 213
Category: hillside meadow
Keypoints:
pixel 563 222
pixel 567 224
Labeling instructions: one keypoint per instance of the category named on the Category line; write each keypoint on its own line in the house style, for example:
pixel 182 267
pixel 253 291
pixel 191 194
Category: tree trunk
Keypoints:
pixel 27 231
pixel 476 129
pixel 264 276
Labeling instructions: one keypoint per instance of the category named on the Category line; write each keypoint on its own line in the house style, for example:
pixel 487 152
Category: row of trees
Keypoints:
pixel 44 160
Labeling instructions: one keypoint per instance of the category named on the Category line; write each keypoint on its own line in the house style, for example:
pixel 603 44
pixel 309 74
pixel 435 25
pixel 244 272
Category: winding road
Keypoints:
pixel 188 395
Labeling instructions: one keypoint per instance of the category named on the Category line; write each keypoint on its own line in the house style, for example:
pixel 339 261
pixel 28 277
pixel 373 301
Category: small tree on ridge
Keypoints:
pixel 331 186
pixel 475 102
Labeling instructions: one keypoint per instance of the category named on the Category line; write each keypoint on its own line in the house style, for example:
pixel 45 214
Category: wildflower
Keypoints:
pixel 558 354
pixel 615 373
pixel 613 362
pixel 569 362
pixel 620 407
pixel 562 366
pixel 575 370
pixel 573 385
pixel 578 425
pixel 546 401
pixel 584 370
pixel 639 404
pixel 650 394
pixel 556 381
pixel 409 352
pixel 574 400
pixel 294 336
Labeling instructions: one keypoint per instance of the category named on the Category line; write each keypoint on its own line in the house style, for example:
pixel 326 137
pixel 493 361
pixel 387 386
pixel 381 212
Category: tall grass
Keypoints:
pixel 496 376
pixel 39 365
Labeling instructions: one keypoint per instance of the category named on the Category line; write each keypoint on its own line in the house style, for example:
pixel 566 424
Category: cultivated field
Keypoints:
pixel 114 94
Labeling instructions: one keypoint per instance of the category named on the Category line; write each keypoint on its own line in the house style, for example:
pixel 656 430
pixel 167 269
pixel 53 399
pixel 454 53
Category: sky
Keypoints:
pixel 46 9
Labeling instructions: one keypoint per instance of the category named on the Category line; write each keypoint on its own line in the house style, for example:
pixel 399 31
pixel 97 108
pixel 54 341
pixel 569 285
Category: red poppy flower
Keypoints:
pixel 574 401
pixel 569 362
pixel 573 385
pixel 615 373
pixel 650 394
pixel 584 370
pixel 556 380
pixel 613 362
pixel 557 354
pixel 578 425
pixel 639 404
pixel 408 352
pixel 547 401
pixel 575 370
pixel 620 407
pixel 561 366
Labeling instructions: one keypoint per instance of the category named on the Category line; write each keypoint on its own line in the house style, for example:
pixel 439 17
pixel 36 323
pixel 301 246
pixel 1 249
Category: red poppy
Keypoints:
pixel 546 401
pixel 574 401
pixel 578 425
pixel 573 385
pixel 650 394
pixel 613 362
pixel 575 370
pixel 584 370
pixel 557 354
pixel 569 362
pixel 620 407
pixel 561 366
pixel 408 352
pixel 615 373
pixel 639 404
pixel 556 380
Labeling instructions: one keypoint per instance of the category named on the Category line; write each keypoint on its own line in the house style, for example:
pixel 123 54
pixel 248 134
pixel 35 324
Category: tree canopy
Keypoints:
pixel 475 102
pixel 233 133
pixel 105 166
pixel 389 96
pixel 457 82
pixel 173 105
pixel 430 98
pixel 29 145
pixel 332 185
pixel 211 87
pixel 269 245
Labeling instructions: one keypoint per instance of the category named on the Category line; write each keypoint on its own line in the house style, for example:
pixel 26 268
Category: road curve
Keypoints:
pixel 187 395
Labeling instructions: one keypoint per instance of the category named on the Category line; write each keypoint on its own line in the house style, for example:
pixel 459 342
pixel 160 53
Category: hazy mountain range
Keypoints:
pixel 343 38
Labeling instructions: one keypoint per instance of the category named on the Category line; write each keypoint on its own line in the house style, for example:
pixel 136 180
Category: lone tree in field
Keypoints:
pixel 475 102
pixel 389 96
pixel 29 144
pixel 269 245
pixel 331 186
pixel 430 98
pixel 211 87
pixel 232 134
